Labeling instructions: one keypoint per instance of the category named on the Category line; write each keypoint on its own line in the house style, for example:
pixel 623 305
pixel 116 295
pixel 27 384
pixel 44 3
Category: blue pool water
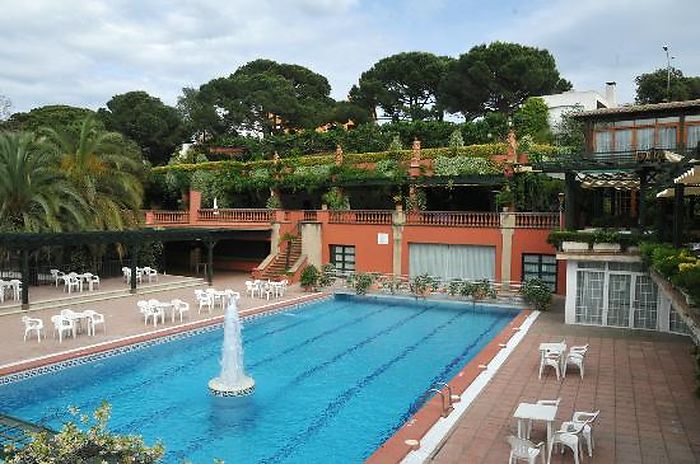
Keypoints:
pixel 334 380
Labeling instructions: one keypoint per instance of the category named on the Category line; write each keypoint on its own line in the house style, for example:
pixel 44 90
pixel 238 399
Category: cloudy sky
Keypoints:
pixel 85 51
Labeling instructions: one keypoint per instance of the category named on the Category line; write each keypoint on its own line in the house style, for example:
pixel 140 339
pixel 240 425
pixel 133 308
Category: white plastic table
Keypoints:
pixel 540 412
pixel 554 348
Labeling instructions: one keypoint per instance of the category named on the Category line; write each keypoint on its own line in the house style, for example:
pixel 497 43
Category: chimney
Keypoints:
pixel 610 94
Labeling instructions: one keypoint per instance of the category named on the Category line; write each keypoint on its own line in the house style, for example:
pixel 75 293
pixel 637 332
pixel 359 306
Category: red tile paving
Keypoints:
pixel 642 382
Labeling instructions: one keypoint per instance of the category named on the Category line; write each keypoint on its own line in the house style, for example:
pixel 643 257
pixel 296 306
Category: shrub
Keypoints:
pixel 309 277
pixel 423 285
pixel 75 446
pixel 537 293
pixel 327 276
pixel 362 282
pixel 479 290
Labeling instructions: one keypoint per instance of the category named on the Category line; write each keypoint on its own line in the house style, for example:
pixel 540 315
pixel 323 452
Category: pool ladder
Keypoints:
pixel 446 401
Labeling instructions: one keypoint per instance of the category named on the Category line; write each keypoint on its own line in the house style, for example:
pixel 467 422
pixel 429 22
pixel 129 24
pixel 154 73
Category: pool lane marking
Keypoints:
pixel 440 431
pixel 336 405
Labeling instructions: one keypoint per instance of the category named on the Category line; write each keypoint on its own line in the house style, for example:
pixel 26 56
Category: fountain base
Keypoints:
pixel 218 388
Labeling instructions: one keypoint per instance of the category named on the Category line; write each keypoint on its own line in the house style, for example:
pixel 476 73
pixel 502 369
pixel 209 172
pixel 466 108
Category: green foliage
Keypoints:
pixel 535 192
pixel 34 195
pixel 479 290
pixel 569 135
pixel 154 126
pixel 416 202
pixel 273 202
pixel 600 236
pixel 327 275
pixel 532 119
pixel 59 117
pixel 404 86
pixel 309 277
pixel 456 140
pixel 151 255
pixel 536 292
pixel 652 87
pixel 362 281
pixel 335 199
pixel 395 146
pixel 498 77
pixel 73 445
pixel 464 165
pixel 505 197
pixel 678 265
pixel 423 285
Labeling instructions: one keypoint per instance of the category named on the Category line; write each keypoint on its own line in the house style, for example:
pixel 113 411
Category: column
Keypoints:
pixel 641 217
pixel 398 221
pixel 25 279
pixel 134 252
pixel 210 262
pixel 678 192
pixel 570 201
pixel 507 229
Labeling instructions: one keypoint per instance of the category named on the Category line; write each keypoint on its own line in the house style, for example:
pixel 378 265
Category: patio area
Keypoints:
pixel 122 317
pixel 643 383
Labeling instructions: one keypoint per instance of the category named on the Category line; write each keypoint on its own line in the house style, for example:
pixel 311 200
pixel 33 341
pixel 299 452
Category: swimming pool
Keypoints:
pixel 334 379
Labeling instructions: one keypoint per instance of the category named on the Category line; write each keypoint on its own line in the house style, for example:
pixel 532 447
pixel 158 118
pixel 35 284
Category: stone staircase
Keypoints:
pixel 279 265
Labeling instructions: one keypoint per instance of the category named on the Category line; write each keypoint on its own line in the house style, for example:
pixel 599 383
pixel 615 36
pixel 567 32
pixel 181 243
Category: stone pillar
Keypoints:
pixel 195 204
pixel 397 223
pixel 414 169
pixel 338 155
pixel 641 217
pixel 275 238
pixel 312 242
pixel 507 229
pixel 512 147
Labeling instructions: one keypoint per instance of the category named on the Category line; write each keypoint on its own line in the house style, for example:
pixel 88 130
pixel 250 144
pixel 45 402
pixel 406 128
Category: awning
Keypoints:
pixel 688 191
pixel 691 176
pixel 617 179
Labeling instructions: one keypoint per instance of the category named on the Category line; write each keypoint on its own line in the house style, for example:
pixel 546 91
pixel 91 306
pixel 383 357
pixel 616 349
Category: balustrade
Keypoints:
pixel 361 216
pixel 537 220
pixel 453 219
pixel 236 215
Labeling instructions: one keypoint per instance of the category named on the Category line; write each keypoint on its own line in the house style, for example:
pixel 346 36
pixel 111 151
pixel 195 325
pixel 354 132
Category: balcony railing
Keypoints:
pixel 537 220
pixel 171 217
pixel 453 219
pixel 310 216
pixel 261 215
pixel 364 216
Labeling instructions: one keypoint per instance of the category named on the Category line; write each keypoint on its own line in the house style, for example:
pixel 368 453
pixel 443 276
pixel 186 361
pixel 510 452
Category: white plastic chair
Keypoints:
pixel 204 300
pixel 575 357
pixel 587 419
pixel 551 359
pixel 16 287
pixel 528 427
pixel 70 282
pixel 232 295
pixel 150 273
pixel 56 275
pixel 181 308
pixel 216 297
pixel 32 325
pixel 95 318
pixel 250 288
pixel 147 311
pixel 63 324
pixel 569 435
pixel 93 282
pixel 522 449
pixel 126 273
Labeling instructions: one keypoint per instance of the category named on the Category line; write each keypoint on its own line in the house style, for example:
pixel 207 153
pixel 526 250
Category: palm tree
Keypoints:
pixel 106 169
pixel 34 195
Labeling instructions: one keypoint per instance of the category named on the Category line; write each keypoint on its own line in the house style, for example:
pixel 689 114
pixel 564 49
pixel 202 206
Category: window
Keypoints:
pixel 343 258
pixel 645 138
pixel 667 137
pixel 676 322
pixel 541 267
pixel 623 140
pixel 693 137
pixel 603 142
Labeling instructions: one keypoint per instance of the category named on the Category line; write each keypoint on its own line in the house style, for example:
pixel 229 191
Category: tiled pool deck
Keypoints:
pixel 642 382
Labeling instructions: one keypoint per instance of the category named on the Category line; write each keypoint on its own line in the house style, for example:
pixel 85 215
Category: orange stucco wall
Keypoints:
pixel 534 241
pixel 369 256
pixel 451 236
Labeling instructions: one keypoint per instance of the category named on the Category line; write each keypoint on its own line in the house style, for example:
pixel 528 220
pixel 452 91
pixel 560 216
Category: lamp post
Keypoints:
pixel 668 72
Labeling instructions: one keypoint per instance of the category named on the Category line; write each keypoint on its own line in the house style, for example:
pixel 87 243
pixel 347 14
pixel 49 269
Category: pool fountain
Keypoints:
pixel 232 381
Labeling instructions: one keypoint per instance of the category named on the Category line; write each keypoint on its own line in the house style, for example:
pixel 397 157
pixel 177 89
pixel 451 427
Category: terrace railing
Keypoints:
pixel 453 219
pixel 361 216
pixel 171 217
pixel 258 215
pixel 537 220
pixel 310 215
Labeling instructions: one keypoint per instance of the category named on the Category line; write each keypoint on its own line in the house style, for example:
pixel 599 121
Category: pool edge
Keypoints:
pixel 395 449
pixel 62 356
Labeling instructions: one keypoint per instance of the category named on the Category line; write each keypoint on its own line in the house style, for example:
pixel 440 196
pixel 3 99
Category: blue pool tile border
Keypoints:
pixel 80 360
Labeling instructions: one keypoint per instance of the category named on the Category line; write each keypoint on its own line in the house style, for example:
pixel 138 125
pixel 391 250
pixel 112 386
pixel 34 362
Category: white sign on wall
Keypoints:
pixel 382 239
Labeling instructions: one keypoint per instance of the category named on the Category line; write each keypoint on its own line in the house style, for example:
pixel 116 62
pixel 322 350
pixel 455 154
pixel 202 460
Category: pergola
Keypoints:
pixel 25 243
pixel 686 184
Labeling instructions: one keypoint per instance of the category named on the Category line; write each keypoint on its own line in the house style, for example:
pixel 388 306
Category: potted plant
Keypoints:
pixel 423 285
pixel 506 199
pixel 606 241
pixel 571 241
pixel 309 278
pixel 537 293
pixel 327 275
pixel 363 281
pixel 480 290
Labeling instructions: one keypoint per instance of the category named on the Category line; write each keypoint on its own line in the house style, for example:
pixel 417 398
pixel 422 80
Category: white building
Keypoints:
pixel 575 100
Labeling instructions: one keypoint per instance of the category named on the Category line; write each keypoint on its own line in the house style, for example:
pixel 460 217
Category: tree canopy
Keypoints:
pixel 262 96
pixel 499 77
pixel 404 86
pixel 653 87
pixel 532 119
pixel 57 116
pixel 157 128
